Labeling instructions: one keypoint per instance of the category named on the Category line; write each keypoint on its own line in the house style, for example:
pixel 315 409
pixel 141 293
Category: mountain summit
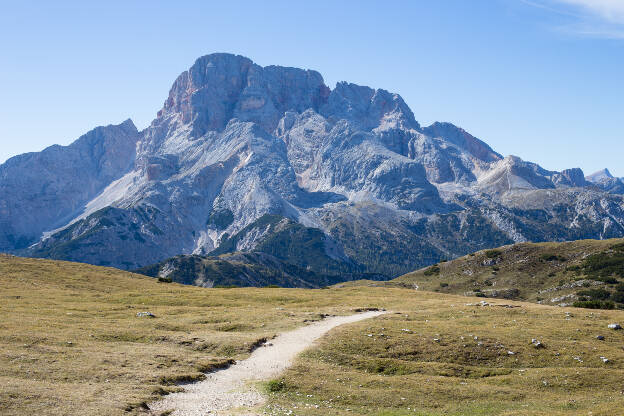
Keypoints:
pixel 270 159
pixel 607 182
pixel 601 174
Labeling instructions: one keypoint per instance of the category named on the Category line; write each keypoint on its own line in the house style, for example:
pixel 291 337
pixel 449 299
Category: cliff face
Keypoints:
pixel 235 142
pixel 41 191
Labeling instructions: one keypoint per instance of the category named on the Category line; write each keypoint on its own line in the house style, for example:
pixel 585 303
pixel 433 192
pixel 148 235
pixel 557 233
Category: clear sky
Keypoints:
pixel 540 79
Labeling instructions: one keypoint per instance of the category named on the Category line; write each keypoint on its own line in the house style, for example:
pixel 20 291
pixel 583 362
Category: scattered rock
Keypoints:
pixel 600 338
pixel 145 315
pixel 604 360
pixel 615 326
pixel 482 303
pixel 536 343
pixel 572 285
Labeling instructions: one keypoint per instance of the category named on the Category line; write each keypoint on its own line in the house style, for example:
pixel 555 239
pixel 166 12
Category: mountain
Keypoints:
pixel 291 255
pixel 245 158
pixel 607 182
pixel 585 273
pixel 41 191
pixel 237 269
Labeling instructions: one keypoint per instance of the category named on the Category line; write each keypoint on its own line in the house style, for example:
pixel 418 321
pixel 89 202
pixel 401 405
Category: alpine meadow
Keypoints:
pixel 277 242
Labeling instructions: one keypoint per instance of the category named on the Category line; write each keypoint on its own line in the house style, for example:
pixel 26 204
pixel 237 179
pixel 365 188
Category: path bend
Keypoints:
pixel 233 387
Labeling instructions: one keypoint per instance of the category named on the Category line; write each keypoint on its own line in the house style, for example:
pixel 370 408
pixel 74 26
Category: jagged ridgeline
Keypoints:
pixel 271 164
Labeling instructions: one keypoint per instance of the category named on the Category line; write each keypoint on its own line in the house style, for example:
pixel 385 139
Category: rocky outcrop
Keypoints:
pixel 570 177
pixel 512 173
pixel 464 140
pixel 220 87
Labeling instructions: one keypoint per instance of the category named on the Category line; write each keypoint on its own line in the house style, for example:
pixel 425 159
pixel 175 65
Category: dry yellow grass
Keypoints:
pixel 439 356
pixel 71 343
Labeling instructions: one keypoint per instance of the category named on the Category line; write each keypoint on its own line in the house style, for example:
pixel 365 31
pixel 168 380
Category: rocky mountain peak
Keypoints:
pixel 604 180
pixel 219 87
pixel 238 150
pixel 570 177
pixel 369 108
pixel 464 140
pixel 600 176
pixel 513 173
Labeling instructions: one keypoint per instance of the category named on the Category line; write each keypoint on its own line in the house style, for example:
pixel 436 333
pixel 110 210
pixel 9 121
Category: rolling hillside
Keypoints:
pixel 587 273
pixel 75 339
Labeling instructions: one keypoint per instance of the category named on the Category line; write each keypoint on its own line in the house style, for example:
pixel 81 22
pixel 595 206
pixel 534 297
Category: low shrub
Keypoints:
pixel 604 265
pixel 594 304
pixel 595 294
pixel 492 254
pixel 433 270
pixel 275 386
pixel 618 297
pixel 607 279
pixel 618 247
pixel 552 257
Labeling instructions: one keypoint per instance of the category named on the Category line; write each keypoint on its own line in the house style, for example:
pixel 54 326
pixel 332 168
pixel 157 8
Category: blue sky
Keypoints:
pixel 540 79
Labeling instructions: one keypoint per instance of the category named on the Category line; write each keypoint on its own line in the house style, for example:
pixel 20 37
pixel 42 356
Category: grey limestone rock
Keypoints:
pixel 235 142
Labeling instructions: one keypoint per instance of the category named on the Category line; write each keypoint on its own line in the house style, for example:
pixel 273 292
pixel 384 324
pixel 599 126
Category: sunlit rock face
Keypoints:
pixel 40 191
pixel 235 142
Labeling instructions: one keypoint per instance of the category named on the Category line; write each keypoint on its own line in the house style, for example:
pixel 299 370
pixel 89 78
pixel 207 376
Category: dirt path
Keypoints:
pixel 232 388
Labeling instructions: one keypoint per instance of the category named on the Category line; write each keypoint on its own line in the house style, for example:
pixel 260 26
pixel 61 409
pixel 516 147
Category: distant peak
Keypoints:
pixel 606 173
pixel 128 124
pixel 601 175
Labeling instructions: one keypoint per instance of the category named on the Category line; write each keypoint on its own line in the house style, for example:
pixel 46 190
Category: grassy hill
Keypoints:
pixel 236 269
pixel 245 269
pixel 287 254
pixel 586 273
pixel 71 343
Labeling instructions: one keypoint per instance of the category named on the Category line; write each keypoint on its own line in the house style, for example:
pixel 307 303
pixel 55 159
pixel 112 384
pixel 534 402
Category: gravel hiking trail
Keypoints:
pixel 233 388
